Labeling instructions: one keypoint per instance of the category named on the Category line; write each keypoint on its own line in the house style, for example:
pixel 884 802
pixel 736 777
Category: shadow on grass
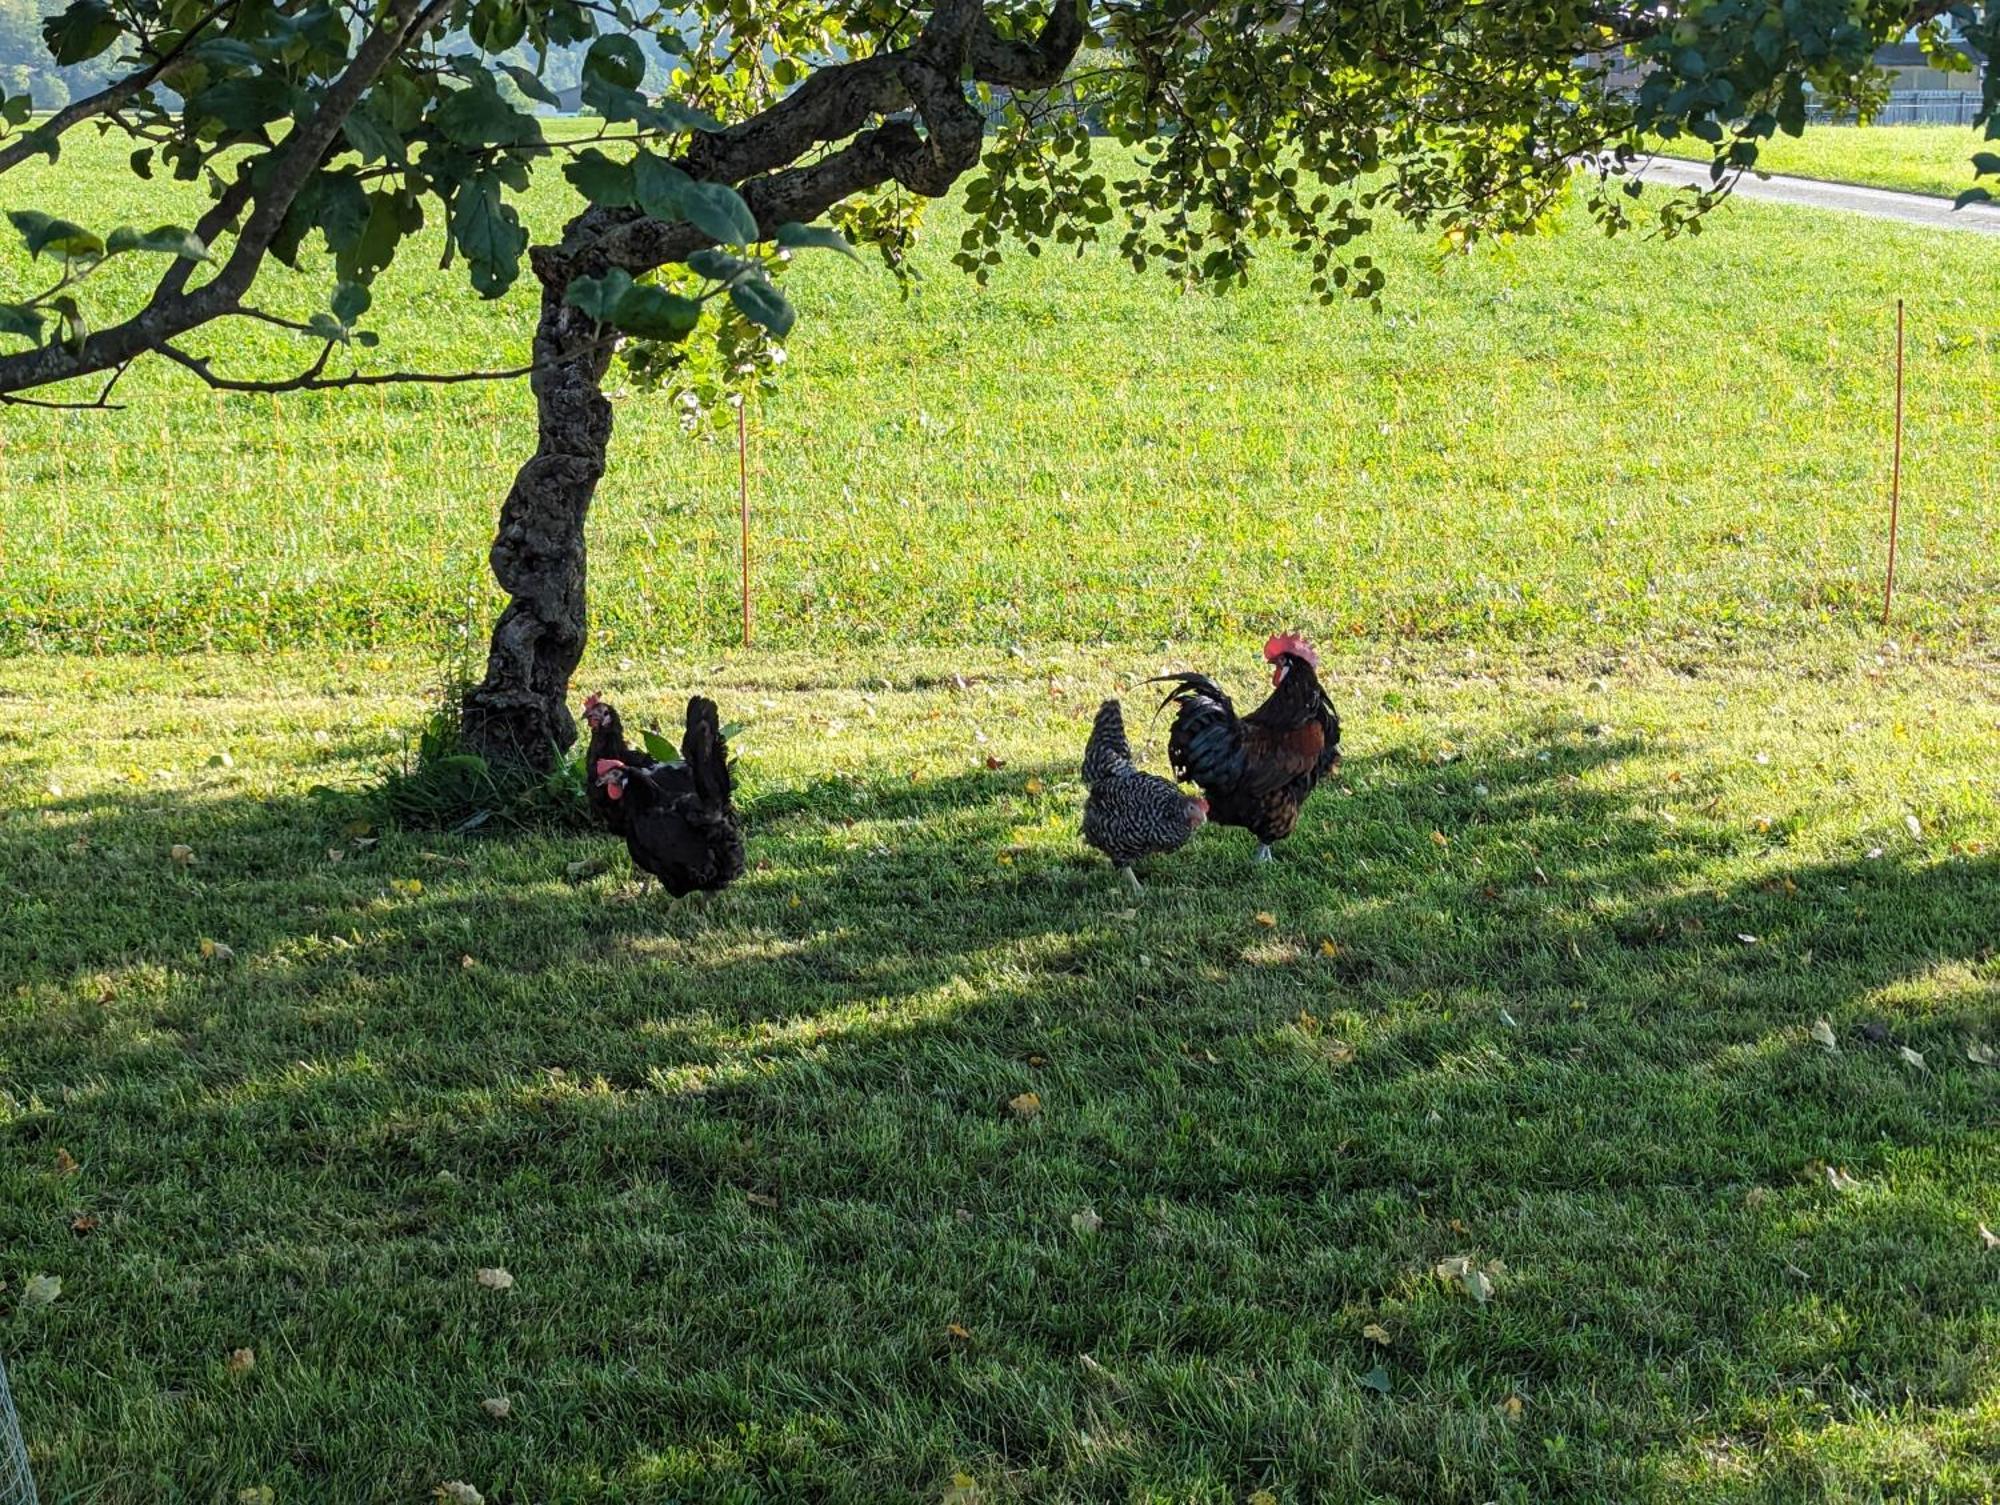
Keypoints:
pixel 776 1232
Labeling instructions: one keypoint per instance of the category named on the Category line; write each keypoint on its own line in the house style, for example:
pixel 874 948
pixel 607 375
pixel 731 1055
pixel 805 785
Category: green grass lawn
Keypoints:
pixel 1534 987
pixel 1564 439
pixel 1935 159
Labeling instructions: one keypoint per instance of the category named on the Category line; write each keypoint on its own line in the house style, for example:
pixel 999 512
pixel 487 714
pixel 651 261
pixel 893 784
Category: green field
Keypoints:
pixel 1563 439
pixel 1935 159
pixel 1636 798
pixel 1534 985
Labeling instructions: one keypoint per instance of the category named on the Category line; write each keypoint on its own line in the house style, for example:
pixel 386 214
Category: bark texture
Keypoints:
pixel 519 713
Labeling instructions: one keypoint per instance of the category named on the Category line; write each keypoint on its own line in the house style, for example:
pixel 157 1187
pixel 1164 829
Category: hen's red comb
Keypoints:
pixel 591 702
pixel 605 765
pixel 1292 643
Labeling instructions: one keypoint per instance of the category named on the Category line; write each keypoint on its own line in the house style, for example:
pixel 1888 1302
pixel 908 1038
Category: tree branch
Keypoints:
pixel 106 100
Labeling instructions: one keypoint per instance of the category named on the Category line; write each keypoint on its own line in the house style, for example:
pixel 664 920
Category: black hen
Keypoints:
pixel 679 824
pixel 1129 814
pixel 1257 769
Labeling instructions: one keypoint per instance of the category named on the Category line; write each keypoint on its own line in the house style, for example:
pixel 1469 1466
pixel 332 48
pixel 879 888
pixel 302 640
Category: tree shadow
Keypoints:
pixel 783 1224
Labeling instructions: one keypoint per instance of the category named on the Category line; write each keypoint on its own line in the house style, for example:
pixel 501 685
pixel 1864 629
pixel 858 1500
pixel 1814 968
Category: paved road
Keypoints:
pixel 1912 208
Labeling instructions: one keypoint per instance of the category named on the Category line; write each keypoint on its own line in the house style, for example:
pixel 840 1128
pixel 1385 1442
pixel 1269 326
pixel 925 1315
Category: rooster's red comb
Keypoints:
pixel 1292 643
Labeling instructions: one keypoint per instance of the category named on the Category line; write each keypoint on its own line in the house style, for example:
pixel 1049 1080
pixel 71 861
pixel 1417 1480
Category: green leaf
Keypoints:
pixel 374 141
pixel 659 187
pixel 498 24
pixel 764 305
pixel 350 301
pixel 653 313
pixel 672 115
pixel 327 327
pixel 81 32
pixel 142 162
pixel 43 232
pixel 390 217
pixel 245 103
pixel 478 116
pixel 718 211
pixel 795 236
pixel 615 59
pixel 720 266
pixel 162 240
pixel 18 318
pixel 598 296
pixel 526 81
pixel 489 232
pixel 227 52
pixel 659 748
pixel 338 205
pixel 602 180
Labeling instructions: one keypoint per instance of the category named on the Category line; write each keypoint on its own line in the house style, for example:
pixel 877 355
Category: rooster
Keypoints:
pixel 1257 769
pixel 1129 814
pixel 678 822
pixel 607 744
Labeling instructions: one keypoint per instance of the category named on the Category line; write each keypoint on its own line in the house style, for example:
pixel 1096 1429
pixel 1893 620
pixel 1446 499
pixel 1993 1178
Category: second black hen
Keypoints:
pixel 1129 814
pixel 679 823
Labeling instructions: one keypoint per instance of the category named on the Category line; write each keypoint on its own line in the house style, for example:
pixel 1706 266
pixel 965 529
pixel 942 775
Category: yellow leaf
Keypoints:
pixel 954 1330
pixel 242 1360
pixel 467 962
pixel 495 1280
pixel 1375 1332
pixel 408 887
pixel 1268 920
pixel 65 1162
pixel 1262 1497
pixel 1327 948
pixel 1026 1106
pixel 963 1490
pixel 1439 839
pixel 256 1494
pixel 1034 786
pixel 181 854
pixel 215 951
pixel 1512 1407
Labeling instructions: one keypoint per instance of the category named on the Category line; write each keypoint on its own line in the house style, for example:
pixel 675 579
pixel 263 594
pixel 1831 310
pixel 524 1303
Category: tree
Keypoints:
pixel 353 120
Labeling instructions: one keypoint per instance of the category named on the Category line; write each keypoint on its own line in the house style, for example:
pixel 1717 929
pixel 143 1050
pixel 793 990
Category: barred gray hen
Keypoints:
pixel 1130 814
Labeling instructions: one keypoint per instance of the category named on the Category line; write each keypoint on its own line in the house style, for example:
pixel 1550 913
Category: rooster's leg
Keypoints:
pixel 1133 879
pixel 1263 853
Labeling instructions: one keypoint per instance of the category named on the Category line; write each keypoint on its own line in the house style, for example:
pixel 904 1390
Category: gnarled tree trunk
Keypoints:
pixel 519 713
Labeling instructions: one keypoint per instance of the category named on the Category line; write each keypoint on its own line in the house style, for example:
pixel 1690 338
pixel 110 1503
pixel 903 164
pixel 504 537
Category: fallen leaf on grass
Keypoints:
pixel 1026 1106
pixel 498 1407
pixel 1839 1179
pixel 1268 920
pixel 588 867
pixel 1823 1033
pixel 1981 1055
pixel 957 1333
pixel 1512 1407
pixel 1988 1237
pixel 467 963
pixel 65 1162
pixel 1086 1221
pixel 1439 839
pixel 1911 1057
pixel 215 951
pixel 993 764
pixel 1376 1379
pixel 1262 1497
pixel 1375 1332
pixel 1748 940
pixel 1033 786
pixel 83 1223
pixel 409 888
pixel 257 1494
pixel 1327 948
pixel 242 1360
pixel 181 854
pixel 1475 1281
pixel 963 1490
pixel 458 1492
pixel 495 1280
pixel 1914 826
pixel 759 1199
